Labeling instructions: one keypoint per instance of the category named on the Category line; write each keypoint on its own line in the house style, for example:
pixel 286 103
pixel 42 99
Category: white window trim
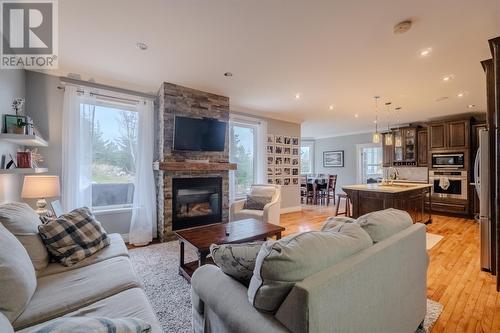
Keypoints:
pixel 260 162
pixel 359 159
pixel 312 146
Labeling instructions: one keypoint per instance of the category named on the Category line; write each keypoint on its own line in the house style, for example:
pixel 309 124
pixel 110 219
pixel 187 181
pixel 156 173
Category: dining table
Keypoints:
pixel 318 184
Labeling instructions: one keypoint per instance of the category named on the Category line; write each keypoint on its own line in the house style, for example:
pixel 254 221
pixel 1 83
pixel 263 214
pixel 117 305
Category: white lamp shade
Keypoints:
pixel 35 187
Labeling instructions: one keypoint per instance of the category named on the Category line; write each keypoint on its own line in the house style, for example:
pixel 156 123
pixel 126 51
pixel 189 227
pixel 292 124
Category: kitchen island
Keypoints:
pixel 413 198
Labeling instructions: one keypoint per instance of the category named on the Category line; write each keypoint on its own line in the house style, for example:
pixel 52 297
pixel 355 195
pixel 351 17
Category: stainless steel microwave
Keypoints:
pixel 448 160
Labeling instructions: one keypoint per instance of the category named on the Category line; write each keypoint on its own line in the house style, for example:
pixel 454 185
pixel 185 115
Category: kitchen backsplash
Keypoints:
pixel 412 173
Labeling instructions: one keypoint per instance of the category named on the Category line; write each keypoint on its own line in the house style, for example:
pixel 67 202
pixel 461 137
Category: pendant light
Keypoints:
pixel 398 140
pixel 376 136
pixel 388 135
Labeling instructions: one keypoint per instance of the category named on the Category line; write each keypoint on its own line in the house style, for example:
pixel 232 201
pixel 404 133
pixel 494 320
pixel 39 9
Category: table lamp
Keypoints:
pixel 41 187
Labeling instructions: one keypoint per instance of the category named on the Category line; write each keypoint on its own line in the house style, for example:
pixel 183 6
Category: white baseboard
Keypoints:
pixel 290 209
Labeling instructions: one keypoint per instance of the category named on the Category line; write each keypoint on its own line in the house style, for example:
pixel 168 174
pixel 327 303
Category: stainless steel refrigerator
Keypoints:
pixel 482 184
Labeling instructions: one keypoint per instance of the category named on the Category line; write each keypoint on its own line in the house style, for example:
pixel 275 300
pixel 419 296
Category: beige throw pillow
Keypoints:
pixel 22 221
pixel 280 264
pixel 17 276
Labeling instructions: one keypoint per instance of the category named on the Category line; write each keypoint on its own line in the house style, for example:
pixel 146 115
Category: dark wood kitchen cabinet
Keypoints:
pixel 437 136
pixel 388 153
pixel 422 150
pixel 450 135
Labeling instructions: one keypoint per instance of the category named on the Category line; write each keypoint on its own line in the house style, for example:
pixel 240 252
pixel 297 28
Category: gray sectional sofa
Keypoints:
pixel 102 285
pixel 381 288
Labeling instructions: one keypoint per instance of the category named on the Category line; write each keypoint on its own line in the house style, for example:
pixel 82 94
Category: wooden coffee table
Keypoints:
pixel 238 232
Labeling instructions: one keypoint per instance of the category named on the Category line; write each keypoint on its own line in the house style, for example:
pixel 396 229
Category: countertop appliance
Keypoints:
pixel 448 184
pixel 482 184
pixel 448 160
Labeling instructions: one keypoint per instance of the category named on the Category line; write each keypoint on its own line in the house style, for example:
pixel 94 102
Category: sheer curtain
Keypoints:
pixel 144 204
pixel 78 113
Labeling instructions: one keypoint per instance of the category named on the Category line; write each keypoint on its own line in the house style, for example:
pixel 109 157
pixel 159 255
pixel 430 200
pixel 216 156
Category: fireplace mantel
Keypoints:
pixel 190 166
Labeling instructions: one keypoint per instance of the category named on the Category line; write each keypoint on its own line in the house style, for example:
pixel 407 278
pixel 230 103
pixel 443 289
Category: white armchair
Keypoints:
pixel 271 211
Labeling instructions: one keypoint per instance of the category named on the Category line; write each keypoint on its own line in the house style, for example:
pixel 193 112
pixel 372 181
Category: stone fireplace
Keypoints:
pixel 187 195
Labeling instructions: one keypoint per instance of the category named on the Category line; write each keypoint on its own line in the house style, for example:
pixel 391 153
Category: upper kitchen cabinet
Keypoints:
pixel 449 135
pixel 422 148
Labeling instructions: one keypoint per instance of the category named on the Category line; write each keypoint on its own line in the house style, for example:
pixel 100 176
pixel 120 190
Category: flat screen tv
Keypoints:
pixel 196 134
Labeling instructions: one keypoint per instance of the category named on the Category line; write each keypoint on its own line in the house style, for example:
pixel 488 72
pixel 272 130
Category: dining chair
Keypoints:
pixel 330 189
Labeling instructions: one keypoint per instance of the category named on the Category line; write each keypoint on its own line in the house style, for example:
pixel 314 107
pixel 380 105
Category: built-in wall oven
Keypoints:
pixel 449 184
pixel 448 160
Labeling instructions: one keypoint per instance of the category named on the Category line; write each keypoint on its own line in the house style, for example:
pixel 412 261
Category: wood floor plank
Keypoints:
pixel 454 278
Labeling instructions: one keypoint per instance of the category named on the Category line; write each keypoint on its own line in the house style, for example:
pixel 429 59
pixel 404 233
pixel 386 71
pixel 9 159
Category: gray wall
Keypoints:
pixel 347 174
pixel 12 85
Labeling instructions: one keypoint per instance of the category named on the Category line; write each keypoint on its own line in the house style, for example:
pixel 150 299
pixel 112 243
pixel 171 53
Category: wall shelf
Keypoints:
pixel 24 140
pixel 23 170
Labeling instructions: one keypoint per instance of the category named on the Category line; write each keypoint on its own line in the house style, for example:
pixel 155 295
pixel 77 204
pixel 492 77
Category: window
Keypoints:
pixel 307 157
pixel 114 144
pixel 243 151
pixel 369 163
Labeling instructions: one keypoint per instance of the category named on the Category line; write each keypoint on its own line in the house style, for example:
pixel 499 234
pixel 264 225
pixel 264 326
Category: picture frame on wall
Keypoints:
pixel 287 150
pixel 333 158
pixel 270 149
pixel 279 139
pixel 295 161
pixel 295 171
pixel 270 139
pixel 287 171
pixel 295 141
pixel 295 152
pixel 278 160
pixel 286 160
pixel 278 181
pixel 270 160
pixel 270 171
pixel 295 181
pixel 287 140
pixel 278 150
pixel 270 181
pixel 286 181
pixel 278 171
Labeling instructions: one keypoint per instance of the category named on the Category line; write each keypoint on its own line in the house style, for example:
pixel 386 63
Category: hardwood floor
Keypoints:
pixel 471 303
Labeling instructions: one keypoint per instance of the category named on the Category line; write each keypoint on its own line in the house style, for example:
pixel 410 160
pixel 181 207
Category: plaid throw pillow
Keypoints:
pixel 72 237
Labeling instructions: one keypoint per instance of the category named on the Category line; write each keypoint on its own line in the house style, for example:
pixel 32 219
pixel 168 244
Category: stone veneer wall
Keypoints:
pixel 177 100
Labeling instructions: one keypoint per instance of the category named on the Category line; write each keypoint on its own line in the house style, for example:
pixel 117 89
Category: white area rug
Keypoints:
pixel 432 240
pixel 169 293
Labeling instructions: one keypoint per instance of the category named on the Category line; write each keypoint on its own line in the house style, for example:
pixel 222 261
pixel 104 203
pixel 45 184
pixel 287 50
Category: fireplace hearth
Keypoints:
pixel 196 201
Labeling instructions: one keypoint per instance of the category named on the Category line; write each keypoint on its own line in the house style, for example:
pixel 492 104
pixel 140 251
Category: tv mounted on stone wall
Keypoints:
pixel 199 134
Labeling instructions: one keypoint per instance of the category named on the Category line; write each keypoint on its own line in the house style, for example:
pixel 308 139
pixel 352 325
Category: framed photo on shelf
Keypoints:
pixel 333 158
pixel 295 141
pixel 14 124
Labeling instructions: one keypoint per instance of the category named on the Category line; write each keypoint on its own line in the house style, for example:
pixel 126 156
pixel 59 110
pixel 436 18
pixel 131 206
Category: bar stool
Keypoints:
pixel 347 211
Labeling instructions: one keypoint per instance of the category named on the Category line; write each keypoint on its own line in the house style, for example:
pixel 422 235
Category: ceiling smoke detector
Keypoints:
pixel 402 27
pixel 228 74
pixel 142 46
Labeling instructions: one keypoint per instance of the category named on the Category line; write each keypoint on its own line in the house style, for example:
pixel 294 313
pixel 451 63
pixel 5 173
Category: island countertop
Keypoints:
pixel 414 198
pixel 394 188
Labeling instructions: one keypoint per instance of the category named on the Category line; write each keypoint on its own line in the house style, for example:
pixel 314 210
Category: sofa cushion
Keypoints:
pixel 236 260
pixel 22 221
pixel 58 294
pixel 17 276
pixel 280 264
pixel 73 236
pixel 116 248
pixel 334 222
pixel 249 214
pixel 95 325
pixel 5 326
pixel 129 303
pixel 384 223
pixel 256 202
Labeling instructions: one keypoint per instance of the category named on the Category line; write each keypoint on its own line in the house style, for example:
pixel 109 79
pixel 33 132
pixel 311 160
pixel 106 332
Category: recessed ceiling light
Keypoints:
pixel 330 107
pixel 471 106
pixel 440 99
pixel 297 96
pixel 426 52
pixel 228 74
pixel 142 46
pixel 402 27
pixel 356 115
pixel 462 94
pixel 448 78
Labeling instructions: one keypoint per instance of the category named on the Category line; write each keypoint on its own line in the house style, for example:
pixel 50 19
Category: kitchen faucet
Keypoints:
pixel 393 176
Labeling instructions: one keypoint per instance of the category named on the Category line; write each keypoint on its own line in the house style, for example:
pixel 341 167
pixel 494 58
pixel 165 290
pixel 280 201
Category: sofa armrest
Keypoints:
pixel 235 208
pixel 272 212
pixel 228 299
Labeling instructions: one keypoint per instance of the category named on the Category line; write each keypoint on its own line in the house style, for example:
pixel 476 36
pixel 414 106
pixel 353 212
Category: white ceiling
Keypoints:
pixel 332 52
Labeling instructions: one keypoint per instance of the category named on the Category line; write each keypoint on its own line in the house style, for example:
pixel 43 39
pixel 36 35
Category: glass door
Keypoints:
pixel 243 151
pixel 369 163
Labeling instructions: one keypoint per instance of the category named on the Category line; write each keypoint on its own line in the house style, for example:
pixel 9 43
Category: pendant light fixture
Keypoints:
pixel 376 136
pixel 398 140
pixel 388 135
